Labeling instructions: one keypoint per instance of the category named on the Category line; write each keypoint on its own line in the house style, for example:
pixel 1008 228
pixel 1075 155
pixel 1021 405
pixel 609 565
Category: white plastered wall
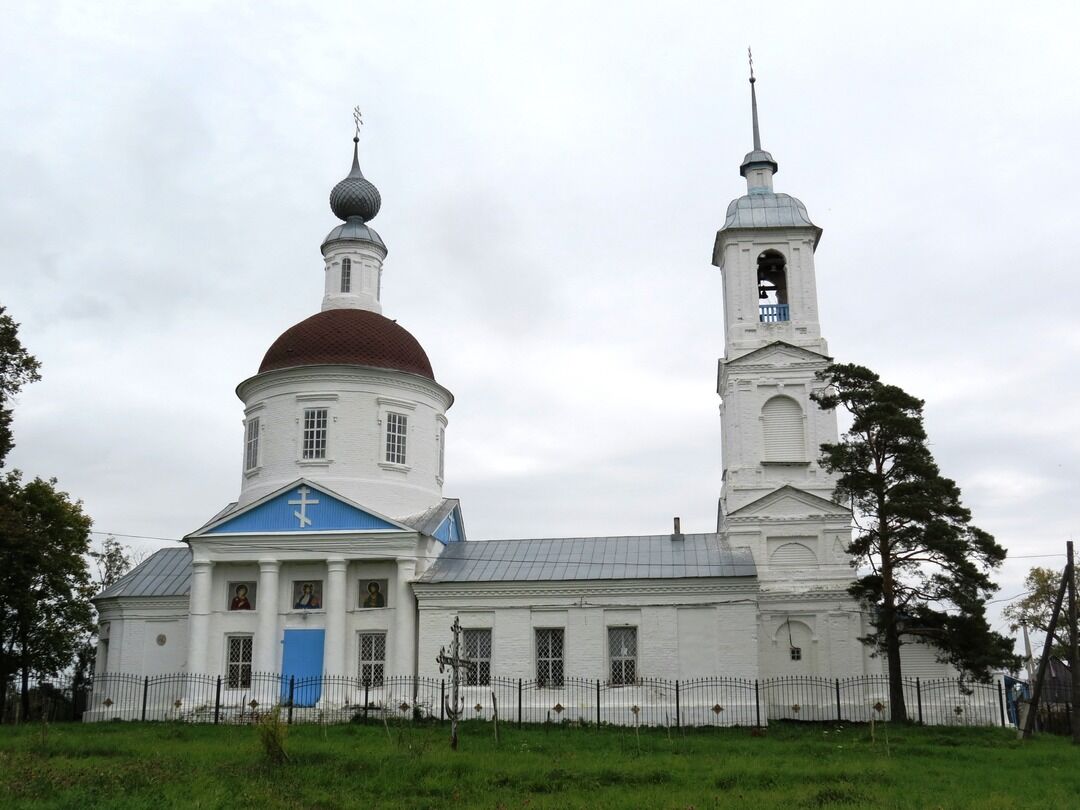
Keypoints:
pixel 686 628
pixel 357 401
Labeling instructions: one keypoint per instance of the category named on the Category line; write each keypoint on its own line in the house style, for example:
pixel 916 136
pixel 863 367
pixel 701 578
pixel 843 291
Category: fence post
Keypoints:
pixel 918 697
pixel 678 719
pixel 217 701
pixel 839 712
pixel 519 702
pixel 145 689
pixel 757 704
pixel 292 689
pixel 597 701
pixel 1001 704
pixel 367 700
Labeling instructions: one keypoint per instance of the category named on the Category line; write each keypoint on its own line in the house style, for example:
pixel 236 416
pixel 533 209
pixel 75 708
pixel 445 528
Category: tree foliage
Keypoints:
pixel 45 584
pixel 1035 608
pixel 112 561
pixel 17 368
pixel 927 568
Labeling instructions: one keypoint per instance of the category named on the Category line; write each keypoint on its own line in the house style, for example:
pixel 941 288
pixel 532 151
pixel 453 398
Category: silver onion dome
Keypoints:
pixel 355 196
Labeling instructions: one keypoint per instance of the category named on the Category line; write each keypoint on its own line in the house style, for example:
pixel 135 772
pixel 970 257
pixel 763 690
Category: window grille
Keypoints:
pixel 372 658
pixel 622 653
pixel 397 425
pixel 314 433
pixel 251 444
pixel 549 657
pixel 442 452
pixel 346 275
pixel 796 653
pixel 478 649
pixel 238 670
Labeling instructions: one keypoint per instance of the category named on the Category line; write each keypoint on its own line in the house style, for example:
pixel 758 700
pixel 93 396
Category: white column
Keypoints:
pixel 334 602
pixel 266 637
pixel 199 616
pixel 404 642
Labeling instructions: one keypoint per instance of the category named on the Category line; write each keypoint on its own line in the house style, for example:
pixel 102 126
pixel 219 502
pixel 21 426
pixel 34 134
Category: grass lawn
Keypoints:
pixel 176 765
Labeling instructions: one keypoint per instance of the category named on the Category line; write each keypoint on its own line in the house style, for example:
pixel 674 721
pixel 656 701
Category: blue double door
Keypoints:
pixel 302 666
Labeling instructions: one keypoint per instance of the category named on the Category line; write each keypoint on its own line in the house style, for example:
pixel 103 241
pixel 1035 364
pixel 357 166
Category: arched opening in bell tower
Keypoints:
pixel 772 287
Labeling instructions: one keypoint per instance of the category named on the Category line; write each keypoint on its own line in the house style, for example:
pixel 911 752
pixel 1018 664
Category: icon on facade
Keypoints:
pixel 307 594
pixel 373 593
pixel 242 595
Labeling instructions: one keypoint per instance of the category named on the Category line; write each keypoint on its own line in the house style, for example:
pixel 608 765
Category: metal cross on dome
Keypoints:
pixel 358 119
pixel 303 503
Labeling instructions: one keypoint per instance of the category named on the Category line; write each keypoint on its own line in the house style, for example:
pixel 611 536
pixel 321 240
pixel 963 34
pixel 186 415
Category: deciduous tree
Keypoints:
pixel 1035 608
pixel 925 568
pixel 45 585
pixel 17 368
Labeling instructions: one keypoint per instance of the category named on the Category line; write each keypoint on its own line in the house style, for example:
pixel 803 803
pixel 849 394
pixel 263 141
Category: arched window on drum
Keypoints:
pixel 784 431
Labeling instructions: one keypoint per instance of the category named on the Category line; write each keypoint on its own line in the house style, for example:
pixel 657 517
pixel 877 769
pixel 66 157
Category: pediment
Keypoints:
pixel 778 353
pixel 300 507
pixel 788 502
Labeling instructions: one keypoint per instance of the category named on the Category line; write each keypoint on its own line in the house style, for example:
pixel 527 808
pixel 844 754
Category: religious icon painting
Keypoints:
pixel 307 594
pixel 373 593
pixel 242 595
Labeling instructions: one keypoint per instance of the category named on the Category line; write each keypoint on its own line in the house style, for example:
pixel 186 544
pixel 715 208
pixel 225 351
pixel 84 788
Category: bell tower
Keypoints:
pixel 773 345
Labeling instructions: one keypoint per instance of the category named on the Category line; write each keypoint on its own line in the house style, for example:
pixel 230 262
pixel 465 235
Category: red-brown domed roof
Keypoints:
pixel 348 337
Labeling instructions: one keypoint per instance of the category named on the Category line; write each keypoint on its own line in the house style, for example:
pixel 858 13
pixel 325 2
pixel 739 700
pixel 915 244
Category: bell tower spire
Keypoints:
pixel 758 167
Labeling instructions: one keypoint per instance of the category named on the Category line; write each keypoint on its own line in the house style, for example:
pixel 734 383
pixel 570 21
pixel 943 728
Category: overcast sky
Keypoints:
pixel 553 176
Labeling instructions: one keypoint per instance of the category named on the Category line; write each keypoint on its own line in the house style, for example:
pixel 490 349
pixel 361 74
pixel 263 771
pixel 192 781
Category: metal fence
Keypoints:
pixel 709 701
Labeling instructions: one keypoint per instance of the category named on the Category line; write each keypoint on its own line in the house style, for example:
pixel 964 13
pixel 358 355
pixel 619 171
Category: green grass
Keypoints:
pixel 175 765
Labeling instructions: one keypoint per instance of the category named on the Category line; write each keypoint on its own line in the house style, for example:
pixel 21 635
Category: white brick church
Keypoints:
pixel 341 556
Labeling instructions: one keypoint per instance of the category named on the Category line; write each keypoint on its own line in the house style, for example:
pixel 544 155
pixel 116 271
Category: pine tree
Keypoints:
pixel 926 568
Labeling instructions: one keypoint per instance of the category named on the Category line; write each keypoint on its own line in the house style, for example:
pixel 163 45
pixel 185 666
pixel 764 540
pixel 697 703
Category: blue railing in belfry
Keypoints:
pixel 773 313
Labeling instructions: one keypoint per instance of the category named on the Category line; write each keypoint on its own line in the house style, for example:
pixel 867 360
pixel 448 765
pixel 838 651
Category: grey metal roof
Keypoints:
pixel 427 522
pixel 165 573
pixel 580 558
pixel 767 209
pixel 354 228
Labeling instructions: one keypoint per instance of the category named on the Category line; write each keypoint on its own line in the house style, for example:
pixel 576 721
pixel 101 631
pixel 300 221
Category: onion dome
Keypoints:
pixel 348 337
pixel 355 196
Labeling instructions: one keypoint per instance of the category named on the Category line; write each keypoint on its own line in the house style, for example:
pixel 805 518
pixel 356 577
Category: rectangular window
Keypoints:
pixel 251 444
pixel 314 433
pixel 442 452
pixel 478 650
pixel 238 667
pixel 372 658
pixel 549 657
pixel 397 425
pixel 622 654
pixel 346 275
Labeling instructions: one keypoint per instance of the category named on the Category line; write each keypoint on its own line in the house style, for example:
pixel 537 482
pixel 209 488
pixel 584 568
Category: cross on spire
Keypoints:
pixel 753 101
pixel 358 120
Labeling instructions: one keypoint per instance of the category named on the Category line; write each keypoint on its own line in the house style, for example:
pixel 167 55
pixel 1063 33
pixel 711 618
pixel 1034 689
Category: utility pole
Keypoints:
pixel 455 703
pixel 1036 690
pixel 1074 648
